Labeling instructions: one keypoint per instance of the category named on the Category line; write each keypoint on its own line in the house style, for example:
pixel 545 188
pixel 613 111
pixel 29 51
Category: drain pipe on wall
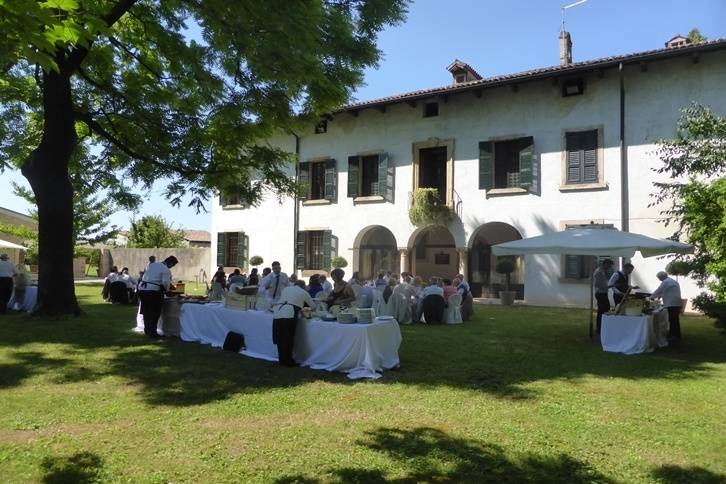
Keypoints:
pixel 296 216
pixel 624 190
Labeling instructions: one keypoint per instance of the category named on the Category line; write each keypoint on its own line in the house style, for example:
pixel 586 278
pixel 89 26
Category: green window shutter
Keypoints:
pixel 331 180
pixel 303 178
pixel 221 247
pixel 589 170
pixel 386 177
pixel 242 244
pixel 382 174
pixel 526 158
pixel 300 251
pixel 333 246
pixel 327 249
pixel 353 168
pixel 486 164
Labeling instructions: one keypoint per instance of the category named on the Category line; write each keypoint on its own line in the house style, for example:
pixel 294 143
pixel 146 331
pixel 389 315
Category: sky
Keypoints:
pixel 493 36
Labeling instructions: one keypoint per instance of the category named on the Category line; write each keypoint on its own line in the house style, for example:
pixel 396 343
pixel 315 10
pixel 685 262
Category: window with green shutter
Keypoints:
pixel 353 164
pixel 303 179
pixel 243 243
pixel 300 244
pixel 486 165
pixel 581 154
pixel 386 177
pixel 221 248
pixel 315 250
pixel 331 181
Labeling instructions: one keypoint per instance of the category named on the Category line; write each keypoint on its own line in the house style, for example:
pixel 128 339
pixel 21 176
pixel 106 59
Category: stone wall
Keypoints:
pixel 191 261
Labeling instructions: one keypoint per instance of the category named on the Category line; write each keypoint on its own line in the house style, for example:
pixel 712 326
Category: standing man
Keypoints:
pixel 285 313
pixel 601 277
pixel 670 292
pixel 153 286
pixel 7 272
pixel 620 282
pixel 273 284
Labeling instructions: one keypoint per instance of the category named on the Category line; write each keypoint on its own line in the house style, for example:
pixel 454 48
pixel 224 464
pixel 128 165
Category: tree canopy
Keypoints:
pixel 695 163
pixel 153 231
pixel 181 90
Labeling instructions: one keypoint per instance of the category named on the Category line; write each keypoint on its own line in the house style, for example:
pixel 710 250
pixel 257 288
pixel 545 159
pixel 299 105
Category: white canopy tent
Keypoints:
pixel 594 242
pixel 4 244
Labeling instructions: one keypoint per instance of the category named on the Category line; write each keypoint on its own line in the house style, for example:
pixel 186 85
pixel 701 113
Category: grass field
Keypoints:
pixel 518 395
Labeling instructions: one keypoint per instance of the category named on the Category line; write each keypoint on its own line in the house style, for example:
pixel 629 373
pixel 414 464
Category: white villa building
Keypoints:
pixel 514 156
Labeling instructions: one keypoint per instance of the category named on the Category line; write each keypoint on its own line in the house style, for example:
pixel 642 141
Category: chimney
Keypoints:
pixel 565 48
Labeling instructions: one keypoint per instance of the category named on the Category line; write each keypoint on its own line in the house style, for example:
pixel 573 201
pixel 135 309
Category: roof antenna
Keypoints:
pixel 565 7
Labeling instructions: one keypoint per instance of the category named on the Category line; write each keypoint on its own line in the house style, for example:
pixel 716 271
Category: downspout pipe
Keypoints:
pixel 296 212
pixel 624 189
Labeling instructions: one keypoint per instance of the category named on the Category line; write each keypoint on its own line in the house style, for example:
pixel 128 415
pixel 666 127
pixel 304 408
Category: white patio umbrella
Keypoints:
pixel 4 244
pixel 596 242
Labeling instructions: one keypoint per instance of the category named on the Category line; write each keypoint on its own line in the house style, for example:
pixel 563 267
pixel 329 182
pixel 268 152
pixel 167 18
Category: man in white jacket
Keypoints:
pixel 670 293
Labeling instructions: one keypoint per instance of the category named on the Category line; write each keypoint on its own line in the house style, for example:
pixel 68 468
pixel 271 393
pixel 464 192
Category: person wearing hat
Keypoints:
pixel 600 278
pixel 670 293
pixel 7 272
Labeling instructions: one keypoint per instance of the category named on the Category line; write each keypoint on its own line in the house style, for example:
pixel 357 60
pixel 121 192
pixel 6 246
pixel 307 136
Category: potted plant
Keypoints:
pixel 679 268
pixel 256 260
pixel 338 262
pixel 506 266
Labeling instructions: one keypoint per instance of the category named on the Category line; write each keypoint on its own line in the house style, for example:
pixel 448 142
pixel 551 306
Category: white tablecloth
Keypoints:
pixel 360 350
pixel 634 334
pixel 31 297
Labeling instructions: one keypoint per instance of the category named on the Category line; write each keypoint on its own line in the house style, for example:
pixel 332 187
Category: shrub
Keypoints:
pixel 427 209
pixel 505 266
pixel 338 262
pixel 256 260
pixel 711 307
pixel 678 268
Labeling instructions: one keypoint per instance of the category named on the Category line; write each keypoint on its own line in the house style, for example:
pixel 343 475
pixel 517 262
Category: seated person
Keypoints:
pixel 314 287
pixel 111 277
pixel 388 291
pixel 381 281
pixel 237 278
pixel 432 302
pixel 342 293
pixel 130 284
pixel 220 277
pixel 449 289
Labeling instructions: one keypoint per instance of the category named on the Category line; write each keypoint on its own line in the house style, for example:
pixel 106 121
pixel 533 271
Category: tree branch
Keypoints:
pixel 78 54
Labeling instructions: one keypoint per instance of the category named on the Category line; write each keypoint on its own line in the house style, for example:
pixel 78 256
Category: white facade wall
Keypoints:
pixel 654 99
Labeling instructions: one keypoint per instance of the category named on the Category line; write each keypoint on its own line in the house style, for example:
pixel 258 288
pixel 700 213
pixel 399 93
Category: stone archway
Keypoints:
pixel 481 274
pixel 375 250
pixel 432 252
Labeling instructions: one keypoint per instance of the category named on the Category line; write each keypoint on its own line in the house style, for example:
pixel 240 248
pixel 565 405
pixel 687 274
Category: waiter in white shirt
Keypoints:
pixel 670 293
pixel 285 313
pixel 7 272
pixel 154 283
pixel 273 283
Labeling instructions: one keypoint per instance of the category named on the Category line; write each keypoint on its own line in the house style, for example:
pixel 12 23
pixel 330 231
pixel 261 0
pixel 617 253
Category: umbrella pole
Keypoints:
pixel 592 285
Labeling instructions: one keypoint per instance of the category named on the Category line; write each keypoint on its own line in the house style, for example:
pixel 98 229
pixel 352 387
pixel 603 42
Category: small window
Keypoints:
pixel 369 176
pixel 582 266
pixel 315 250
pixel 460 78
pixel 431 110
pixel 573 87
pixel 581 151
pixel 321 127
pixel 317 181
pixel 230 249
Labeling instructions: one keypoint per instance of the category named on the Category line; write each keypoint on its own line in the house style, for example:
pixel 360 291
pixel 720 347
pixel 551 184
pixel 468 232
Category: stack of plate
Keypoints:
pixel 365 315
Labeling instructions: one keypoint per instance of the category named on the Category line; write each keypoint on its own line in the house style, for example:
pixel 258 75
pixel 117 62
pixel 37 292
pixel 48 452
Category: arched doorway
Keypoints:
pixel 433 253
pixel 482 277
pixel 375 250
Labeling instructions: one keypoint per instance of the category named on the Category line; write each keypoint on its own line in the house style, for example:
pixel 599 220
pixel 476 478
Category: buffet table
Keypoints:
pixel 31 297
pixel 360 350
pixel 634 334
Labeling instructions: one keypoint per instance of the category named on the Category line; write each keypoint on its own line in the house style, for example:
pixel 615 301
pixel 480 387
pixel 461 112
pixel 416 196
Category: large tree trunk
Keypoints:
pixel 47 171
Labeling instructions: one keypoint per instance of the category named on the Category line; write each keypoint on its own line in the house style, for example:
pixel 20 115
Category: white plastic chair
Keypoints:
pixel 400 308
pixel 384 308
pixel 452 313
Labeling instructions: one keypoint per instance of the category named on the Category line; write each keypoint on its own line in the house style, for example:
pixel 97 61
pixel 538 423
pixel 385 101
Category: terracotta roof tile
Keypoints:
pixel 540 73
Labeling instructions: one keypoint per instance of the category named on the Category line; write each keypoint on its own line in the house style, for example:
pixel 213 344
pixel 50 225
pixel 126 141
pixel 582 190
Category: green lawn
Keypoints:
pixel 518 395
